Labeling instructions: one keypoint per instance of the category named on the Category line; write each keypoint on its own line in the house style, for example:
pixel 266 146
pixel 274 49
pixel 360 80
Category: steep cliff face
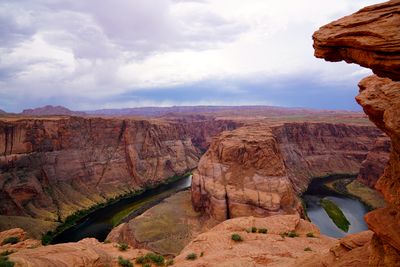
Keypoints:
pixel 319 149
pixel 260 170
pixel 374 164
pixel 243 173
pixel 371 38
pixel 50 168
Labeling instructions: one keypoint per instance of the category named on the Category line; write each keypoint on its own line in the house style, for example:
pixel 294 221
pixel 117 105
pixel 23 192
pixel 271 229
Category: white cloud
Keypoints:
pixel 99 48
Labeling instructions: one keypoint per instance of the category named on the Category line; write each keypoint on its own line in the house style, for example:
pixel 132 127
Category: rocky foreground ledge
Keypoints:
pixel 283 240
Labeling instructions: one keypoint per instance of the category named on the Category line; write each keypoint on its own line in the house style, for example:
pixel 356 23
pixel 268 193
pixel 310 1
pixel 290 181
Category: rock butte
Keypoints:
pixel 371 38
pixel 259 171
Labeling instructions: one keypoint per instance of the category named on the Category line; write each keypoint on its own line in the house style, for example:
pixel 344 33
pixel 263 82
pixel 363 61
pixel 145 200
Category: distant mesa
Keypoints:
pixel 52 110
pixel 257 110
pixel 2 112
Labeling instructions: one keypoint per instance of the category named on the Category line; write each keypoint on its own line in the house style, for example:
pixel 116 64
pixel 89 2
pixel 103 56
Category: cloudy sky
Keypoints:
pixel 92 54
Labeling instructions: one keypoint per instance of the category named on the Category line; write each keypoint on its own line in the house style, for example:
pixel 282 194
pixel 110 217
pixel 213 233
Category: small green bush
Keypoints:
pixel 140 260
pixel 123 246
pixel 169 262
pixel 263 230
pixel 124 262
pixel 307 249
pixel 310 234
pixel 253 229
pixel 147 265
pixel 4 262
pixel 157 259
pixel 11 240
pixel 292 234
pixel 236 238
pixel 107 241
pixel 191 256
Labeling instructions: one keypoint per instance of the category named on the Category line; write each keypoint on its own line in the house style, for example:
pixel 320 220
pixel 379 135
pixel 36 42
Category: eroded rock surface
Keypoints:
pixel 258 171
pixel 370 38
pixel 257 249
pixel 52 167
pixel 374 164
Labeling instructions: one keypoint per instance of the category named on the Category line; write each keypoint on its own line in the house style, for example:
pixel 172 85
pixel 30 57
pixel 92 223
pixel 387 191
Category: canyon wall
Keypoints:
pixel 371 38
pixel 374 164
pixel 259 170
pixel 50 168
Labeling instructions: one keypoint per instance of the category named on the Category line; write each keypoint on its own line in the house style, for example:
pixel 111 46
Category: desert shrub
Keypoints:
pixel 310 234
pixel 236 237
pixel 155 258
pixel 140 260
pixel 248 230
pixel 253 229
pixel 292 234
pixel 11 240
pixel 123 246
pixel 4 262
pixel 191 256
pixel 263 230
pixel 147 265
pixel 307 249
pixel 169 262
pixel 107 241
pixel 202 254
pixel 124 262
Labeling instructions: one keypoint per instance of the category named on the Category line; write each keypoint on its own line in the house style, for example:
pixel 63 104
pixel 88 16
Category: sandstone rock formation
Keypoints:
pixel 371 38
pixel 243 174
pixel 258 171
pixel 257 249
pixel 52 167
pixel 374 164
pixel 320 149
pixel 86 253
pixel 380 99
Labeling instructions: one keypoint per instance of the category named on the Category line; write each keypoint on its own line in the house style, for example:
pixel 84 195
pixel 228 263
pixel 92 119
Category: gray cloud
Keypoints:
pixel 60 51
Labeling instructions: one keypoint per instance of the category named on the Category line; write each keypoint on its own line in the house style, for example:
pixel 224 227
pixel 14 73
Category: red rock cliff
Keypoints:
pixel 259 170
pixel 50 168
pixel 371 38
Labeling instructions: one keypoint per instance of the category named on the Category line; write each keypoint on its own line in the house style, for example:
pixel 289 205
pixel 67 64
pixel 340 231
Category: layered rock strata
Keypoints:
pixel 52 167
pixel 371 38
pixel 259 171
pixel 374 164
